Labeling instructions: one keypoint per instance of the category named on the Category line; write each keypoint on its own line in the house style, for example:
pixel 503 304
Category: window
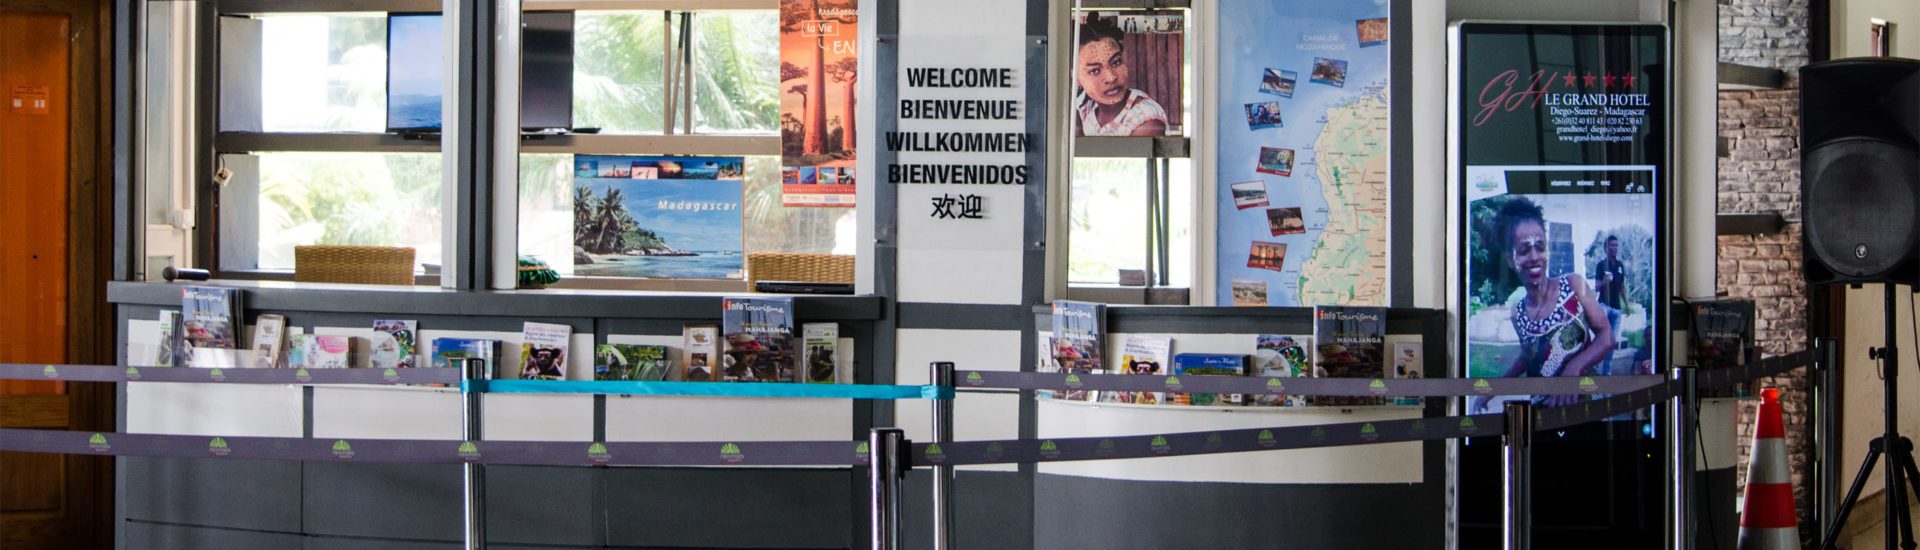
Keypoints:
pixel 386 199
pixel 320 73
pixel 303 111
pixel 622 61
pixel 619 79
pixel 1131 103
pixel 1109 220
pixel 736 72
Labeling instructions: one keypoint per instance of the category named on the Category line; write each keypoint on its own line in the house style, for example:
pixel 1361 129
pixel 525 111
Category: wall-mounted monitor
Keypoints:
pixel 416 72
pixel 546 70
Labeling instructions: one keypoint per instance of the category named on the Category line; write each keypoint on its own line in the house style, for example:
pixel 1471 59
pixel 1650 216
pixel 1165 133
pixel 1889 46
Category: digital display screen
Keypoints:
pixel 546 70
pixel 416 71
pixel 1561 163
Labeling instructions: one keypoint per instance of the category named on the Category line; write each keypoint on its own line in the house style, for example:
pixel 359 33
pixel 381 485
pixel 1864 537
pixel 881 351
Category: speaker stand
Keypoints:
pixel 1898 451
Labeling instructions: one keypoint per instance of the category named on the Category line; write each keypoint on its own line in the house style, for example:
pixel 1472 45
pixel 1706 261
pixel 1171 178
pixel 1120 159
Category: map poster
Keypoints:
pixel 819 47
pixel 1313 78
pixel 1561 166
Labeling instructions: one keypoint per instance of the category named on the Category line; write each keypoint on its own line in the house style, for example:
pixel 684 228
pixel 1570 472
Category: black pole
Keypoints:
pixel 1890 357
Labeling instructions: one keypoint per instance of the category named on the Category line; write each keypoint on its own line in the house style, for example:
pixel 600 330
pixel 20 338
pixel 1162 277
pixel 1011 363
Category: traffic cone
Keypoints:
pixel 1767 521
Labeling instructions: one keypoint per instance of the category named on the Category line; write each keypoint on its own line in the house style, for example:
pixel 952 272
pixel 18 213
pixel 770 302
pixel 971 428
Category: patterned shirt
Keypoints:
pixel 1139 110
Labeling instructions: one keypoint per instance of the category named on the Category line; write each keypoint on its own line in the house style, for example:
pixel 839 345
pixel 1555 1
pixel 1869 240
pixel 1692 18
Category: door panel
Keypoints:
pixel 48 501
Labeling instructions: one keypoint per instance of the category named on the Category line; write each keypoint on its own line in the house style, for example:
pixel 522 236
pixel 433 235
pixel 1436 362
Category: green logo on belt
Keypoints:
pixel 1587 385
pixel 218 447
pixel 1274 385
pixel 934 453
pixel 302 375
pixel 1159 444
pixel 50 372
pixel 133 373
pixel 1049 450
pixel 1173 382
pixel 1265 439
pixel 860 452
pixel 390 375
pixel 731 453
pixel 342 450
pixel 1466 426
pixel 1368 433
pixel 974 378
pixel 1073 380
pixel 217 375
pixel 596 453
pixel 468 451
pixel 1377 386
pixel 98 442
pixel 1482 387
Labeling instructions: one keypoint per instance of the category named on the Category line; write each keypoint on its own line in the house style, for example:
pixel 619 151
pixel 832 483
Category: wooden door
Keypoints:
pixel 49 124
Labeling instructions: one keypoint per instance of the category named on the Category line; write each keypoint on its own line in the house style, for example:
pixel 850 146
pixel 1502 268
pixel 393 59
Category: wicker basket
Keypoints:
pixel 367 265
pixel 797 267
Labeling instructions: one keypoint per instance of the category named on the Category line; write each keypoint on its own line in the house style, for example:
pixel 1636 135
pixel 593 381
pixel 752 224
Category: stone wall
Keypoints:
pixel 1762 174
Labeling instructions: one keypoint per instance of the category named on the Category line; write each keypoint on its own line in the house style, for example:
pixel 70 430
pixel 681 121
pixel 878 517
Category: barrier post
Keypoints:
pixel 942 375
pixel 1682 428
pixel 474 486
pixel 1826 433
pixel 885 448
pixel 1517 521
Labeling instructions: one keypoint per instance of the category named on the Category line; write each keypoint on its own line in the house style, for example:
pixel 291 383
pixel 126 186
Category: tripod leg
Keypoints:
pixel 1853 494
pixel 1904 456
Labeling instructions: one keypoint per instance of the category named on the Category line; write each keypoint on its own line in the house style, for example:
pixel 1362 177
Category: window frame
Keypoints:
pixel 1148 149
pixel 678 136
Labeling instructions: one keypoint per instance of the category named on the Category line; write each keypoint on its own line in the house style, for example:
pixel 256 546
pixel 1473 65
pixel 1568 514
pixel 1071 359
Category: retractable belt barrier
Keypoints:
pixel 1628 394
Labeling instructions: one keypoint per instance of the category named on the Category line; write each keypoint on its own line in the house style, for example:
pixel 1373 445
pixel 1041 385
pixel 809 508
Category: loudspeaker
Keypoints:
pixel 1860 171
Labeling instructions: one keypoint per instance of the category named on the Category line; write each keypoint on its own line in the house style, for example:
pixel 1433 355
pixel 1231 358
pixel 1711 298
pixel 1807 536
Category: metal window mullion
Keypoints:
pixel 666 74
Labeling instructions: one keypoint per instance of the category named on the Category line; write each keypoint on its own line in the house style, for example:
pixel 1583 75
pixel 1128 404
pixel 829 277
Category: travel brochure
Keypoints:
pixel 1142 354
pixel 626 362
pixel 1348 342
pixel 269 334
pixel 543 351
pixel 393 344
pixel 1280 357
pixel 758 334
pixel 446 350
pixel 1079 331
pixel 209 327
pixel 821 343
pixel 312 351
pixel 1351 343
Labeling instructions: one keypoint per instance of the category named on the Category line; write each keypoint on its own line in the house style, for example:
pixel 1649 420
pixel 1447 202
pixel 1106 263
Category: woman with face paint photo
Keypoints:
pixel 1107 104
pixel 1563 329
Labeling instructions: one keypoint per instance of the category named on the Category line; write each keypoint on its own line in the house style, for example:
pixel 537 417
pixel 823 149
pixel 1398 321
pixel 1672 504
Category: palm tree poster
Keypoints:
pixel 819 47
pixel 658 217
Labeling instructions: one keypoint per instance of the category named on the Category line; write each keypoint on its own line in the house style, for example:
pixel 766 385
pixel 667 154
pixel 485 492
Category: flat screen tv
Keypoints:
pixel 416 72
pixel 546 70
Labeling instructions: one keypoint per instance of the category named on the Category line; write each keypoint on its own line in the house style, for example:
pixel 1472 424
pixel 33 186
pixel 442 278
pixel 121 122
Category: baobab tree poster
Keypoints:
pixel 819 47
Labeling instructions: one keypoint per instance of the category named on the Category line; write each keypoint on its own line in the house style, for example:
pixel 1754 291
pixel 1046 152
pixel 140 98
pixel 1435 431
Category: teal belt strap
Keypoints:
pixel 714 389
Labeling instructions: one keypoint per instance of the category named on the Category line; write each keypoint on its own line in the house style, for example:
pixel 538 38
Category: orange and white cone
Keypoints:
pixel 1767 521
